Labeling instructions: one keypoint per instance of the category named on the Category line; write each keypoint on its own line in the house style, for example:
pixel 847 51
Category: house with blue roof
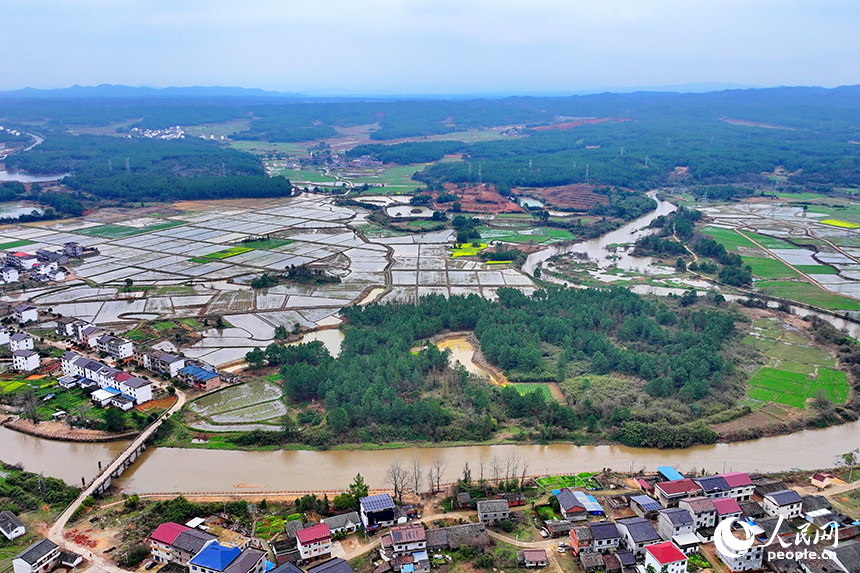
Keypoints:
pixel 213 558
pixel 200 378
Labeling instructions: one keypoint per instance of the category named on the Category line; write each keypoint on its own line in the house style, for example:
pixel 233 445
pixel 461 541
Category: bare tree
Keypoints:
pixel 512 464
pixel 525 469
pixel 496 466
pixel 438 469
pixel 482 467
pixel 467 473
pixel 398 478
pixel 416 473
pixel 430 481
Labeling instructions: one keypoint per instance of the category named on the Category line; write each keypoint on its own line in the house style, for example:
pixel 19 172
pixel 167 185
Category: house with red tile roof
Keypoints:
pixel 314 542
pixel 162 539
pixel 669 493
pixel 666 555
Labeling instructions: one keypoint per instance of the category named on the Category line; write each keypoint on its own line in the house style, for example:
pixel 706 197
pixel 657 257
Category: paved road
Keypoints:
pixel 55 534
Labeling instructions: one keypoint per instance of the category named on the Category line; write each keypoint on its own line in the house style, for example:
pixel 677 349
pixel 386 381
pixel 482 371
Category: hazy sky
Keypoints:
pixel 429 46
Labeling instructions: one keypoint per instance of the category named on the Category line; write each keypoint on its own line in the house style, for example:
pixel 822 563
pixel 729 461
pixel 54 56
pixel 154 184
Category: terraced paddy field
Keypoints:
pixel 258 401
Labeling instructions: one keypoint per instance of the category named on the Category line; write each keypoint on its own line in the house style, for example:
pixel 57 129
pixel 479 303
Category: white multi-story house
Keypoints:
pixel 674 521
pixel 315 542
pixel 492 511
pixel 117 348
pixel 10 526
pixel 786 503
pixel 702 510
pixel 4 335
pixel 26 313
pixel 159 361
pixel 741 484
pixel 136 389
pixel 25 360
pixel 9 274
pixel 745 560
pixel 666 555
pixel 20 341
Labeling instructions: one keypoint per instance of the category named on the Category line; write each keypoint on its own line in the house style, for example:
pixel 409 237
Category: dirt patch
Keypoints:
pixel 747 123
pixel 62 432
pixel 480 199
pixel 161 403
pixel 768 420
pixel 579 197
pixel 578 122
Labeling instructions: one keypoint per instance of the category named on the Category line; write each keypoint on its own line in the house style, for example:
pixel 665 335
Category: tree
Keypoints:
pixel 467 474
pixel 496 467
pixel 255 358
pixel 358 488
pixel 415 473
pixel 114 420
pixel 457 207
pixel 128 283
pixel 397 477
pixel 288 425
pixel 438 469
pixel 680 265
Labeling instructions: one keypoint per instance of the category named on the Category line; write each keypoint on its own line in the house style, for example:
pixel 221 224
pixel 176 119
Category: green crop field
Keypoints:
pixel 728 238
pixel 583 479
pixel 15 244
pixel 120 232
pixel 525 387
pixel 817 269
pixel 539 235
pixel 809 294
pixel 769 268
pixel 801 353
pixel 220 255
pixel 793 389
pixel 770 242
pixel 267 244
pixel 166 325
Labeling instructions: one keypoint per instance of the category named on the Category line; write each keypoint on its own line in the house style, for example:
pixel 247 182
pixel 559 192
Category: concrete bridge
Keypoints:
pixel 102 481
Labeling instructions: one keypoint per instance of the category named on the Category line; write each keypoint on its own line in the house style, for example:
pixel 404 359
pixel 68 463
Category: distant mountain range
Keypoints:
pixel 121 91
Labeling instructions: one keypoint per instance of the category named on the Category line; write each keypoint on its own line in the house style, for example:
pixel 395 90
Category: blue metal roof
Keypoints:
pixel 588 502
pixel 215 556
pixel 670 473
pixel 199 373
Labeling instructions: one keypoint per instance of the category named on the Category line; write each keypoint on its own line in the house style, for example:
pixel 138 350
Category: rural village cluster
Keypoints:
pixel 667 524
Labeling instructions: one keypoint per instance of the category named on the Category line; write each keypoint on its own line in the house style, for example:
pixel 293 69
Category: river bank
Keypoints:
pixel 60 431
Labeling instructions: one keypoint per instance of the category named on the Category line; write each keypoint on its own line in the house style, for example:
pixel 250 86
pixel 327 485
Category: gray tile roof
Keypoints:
pixel 785 497
pixel 701 504
pixel 815 502
pixel 9 522
pixel 713 484
pixel 192 540
pixel 605 530
pixel 36 551
pixel 492 506
pixel 677 516
pixel 336 565
pixel 245 561
pixel 339 521
pixel 640 529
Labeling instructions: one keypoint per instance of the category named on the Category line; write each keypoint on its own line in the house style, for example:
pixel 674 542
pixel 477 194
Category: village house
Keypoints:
pixel 43 556
pixel 637 534
pixel 845 555
pixel 336 565
pixel 117 348
pixel 9 274
pixel 669 493
pixel 743 560
pixel 377 511
pixel 666 555
pixel 188 544
pixel 558 528
pixel 21 341
pixel 471 534
pixel 764 486
pixel 200 378
pixel 822 480
pixel 673 522
pixel 532 557
pixel 22 261
pixel 161 541
pixel 10 526
pixel 606 535
pixel 492 511
pixel 162 362
pixel 645 506
pixel 591 562
pixel 217 558
pixel 727 508
pixel 407 545
pixel 714 486
pixel 751 509
pixel 702 510
pixel 572 509
pixel 73 250
pixel 347 522
pixel 5 337
pixel 25 313
pixel 741 485
pixel 668 473
pixel 786 503
pixel 581 539
pixel 111 380
pixel 314 542
pixel 25 360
